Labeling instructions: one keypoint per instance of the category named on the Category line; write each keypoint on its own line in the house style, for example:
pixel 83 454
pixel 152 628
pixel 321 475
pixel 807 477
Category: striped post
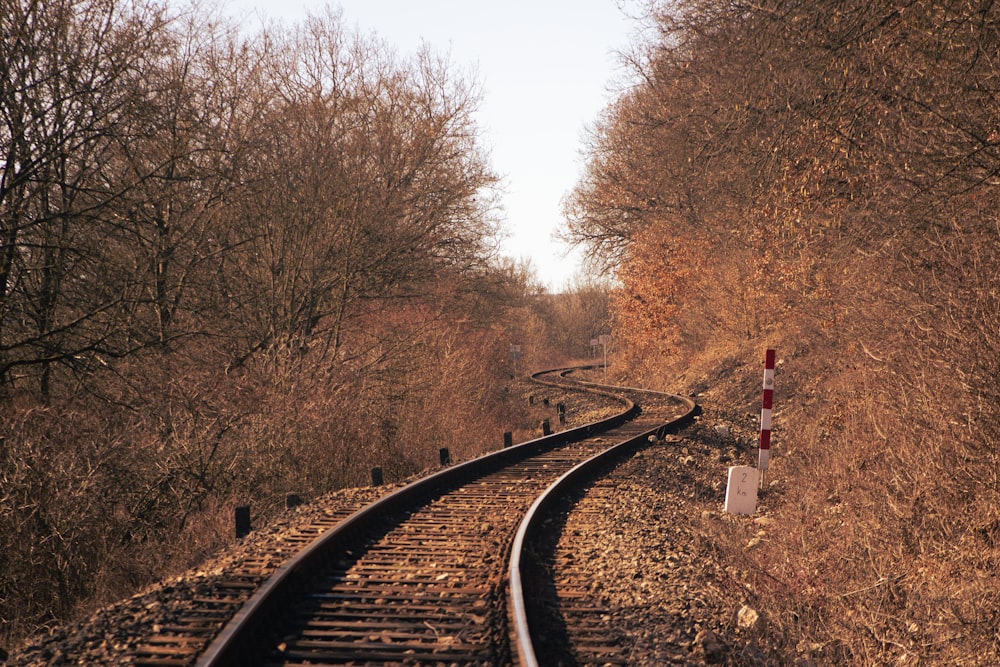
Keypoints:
pixel 765 413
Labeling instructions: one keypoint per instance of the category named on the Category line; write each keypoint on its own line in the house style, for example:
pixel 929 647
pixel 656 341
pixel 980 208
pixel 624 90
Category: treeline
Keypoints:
pixel 165 181
pixel 232 267
pixel 824 175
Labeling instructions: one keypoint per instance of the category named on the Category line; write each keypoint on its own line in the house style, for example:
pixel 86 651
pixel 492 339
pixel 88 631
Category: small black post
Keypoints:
pixel 561 409
pixel 531 399
pixel 545 401
pixel 292 500
pixel 242 521
pixel 546 428
pixel 445 456
pixel 377 476
pixel 508 439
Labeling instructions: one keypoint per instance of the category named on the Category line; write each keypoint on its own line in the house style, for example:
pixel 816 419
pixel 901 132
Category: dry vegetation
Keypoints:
pixel 235 267
pixel 231 267
pixel 824 177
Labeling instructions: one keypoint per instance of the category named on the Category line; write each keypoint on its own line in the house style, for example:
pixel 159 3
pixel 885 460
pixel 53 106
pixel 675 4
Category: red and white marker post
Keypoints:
pixel 765 414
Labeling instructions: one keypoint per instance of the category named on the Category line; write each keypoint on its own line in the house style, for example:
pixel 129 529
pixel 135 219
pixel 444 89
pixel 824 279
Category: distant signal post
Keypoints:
pixel 605 340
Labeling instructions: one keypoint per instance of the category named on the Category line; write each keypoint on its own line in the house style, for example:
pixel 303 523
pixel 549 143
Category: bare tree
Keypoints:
pixel 374 190
pixel 181 168
pixel 71 73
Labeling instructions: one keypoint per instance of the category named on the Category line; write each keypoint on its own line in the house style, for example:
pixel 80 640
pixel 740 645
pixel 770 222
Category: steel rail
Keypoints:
pixel 532 522
pixel 245 637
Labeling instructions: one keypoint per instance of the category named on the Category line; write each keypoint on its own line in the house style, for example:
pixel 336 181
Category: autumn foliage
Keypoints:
pixel 823 177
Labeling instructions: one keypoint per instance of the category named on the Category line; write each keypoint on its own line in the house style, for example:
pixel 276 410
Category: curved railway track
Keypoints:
pixel 422 576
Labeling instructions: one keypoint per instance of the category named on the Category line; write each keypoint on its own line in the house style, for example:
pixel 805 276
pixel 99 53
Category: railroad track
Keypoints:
pixel 422 576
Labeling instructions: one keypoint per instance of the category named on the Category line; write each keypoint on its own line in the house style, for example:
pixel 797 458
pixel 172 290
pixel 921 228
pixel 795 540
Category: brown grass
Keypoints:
pixel 884 546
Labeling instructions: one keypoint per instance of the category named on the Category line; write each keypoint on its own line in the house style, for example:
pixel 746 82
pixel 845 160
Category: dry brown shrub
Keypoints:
pixel 106 492
pixel 884 490
pixel 836 163
pixel 884 476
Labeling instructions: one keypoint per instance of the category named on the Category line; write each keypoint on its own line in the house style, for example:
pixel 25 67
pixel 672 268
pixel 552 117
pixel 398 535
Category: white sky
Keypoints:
pixel 546 68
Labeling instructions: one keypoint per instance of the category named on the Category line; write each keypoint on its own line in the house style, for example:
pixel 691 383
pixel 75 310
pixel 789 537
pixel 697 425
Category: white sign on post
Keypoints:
pixel 741 490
